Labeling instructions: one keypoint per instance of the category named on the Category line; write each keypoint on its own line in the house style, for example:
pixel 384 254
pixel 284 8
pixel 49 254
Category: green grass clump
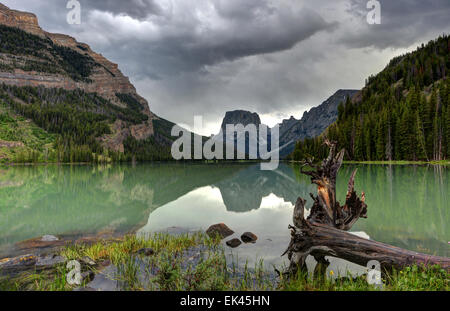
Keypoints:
pixel 119 251
pixel 416 278
pixel 411 278
pixel 52 280
pixel 173 267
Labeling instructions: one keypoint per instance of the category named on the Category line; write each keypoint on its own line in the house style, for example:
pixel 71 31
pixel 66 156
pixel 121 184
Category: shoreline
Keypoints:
pixel 399 162
pixel 188 262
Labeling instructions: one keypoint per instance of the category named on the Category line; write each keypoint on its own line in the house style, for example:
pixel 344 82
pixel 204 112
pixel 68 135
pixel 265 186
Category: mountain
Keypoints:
pixel 61 101
pixel 244 118
pixel 240 117
pixel 291 130
pixel 313 122
pixel 402 113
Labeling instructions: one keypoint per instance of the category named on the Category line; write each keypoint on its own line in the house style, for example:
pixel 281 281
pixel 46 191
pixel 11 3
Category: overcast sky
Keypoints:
pixel 275 57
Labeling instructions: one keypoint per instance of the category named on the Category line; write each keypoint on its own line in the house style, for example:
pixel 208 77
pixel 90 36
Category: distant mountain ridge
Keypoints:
pixel 291 130
pixel 313 122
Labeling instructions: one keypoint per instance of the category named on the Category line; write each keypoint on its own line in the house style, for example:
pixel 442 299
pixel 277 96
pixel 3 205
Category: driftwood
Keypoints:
pixel 324 232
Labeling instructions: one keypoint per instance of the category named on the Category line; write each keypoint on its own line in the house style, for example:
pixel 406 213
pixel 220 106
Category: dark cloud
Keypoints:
pixel 140 9
pixel 403 22
pixel 181 39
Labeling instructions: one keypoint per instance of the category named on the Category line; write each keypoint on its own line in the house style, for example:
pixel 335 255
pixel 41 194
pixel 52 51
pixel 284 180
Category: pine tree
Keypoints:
pixel 420 139
pixel 359 142
pixel 447 130
pixel 381 138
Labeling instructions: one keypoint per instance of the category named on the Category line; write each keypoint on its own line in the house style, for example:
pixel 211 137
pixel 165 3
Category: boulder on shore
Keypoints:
pixel 233 243
pixel 249 237
pixel 219 229
pixel 49 238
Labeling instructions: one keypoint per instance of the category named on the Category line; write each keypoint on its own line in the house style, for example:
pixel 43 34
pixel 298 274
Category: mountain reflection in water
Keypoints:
pixel 408 206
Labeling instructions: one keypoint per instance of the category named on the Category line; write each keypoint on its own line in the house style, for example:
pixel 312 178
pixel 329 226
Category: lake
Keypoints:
pixel 408 206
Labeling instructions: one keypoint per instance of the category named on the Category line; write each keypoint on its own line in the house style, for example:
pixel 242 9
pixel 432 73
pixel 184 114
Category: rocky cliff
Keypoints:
pixel 105 78
pixel 240 117
pixel 291 130
pixel 313 122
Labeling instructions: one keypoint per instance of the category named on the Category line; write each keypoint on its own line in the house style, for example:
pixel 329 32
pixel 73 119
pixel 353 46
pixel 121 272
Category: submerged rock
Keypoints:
pixel 29 262
pixel 49 238
pixel 18 263
pixel 233 243
pixel 249 237
pixel 39 245
pixel 88 260
pixel 49 260
pixel 219 229
pixel 88 276
pixel 146 251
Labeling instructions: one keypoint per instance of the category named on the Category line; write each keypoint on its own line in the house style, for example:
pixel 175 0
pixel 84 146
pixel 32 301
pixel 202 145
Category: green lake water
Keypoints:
pixel 408 206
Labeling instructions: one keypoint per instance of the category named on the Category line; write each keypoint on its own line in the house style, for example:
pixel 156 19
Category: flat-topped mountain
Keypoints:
pixel 240 117
pixel 35 65
pixel 236 117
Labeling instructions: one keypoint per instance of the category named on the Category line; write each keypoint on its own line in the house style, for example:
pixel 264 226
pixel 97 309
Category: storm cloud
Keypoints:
pixel 274 57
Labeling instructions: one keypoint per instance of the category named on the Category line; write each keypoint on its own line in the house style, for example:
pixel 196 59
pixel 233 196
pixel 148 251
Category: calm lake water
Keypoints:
pixel 408 206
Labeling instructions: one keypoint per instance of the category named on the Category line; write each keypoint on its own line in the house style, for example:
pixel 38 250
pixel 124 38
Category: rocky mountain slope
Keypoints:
pixel 240 117
pixel 291 130
pixel 33 59
pixel 313 122
pixel 244 118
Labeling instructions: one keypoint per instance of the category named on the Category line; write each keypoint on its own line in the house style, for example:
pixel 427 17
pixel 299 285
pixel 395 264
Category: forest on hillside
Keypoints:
pixel 77 119
pixel 403 113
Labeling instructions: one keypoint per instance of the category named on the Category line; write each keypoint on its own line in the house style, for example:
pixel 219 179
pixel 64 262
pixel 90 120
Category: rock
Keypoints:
pixel 16 265
pixel 146 251
pixel 49 243
pixel 105 263
pixel 88 276
pixel 49 260
pixel 243 118
pixel 49 238
pixel 313 122
pixel 240 117
pixel 233 243
pixel 219 229
pixel 88 260
pixel 249 237
pixel 24 260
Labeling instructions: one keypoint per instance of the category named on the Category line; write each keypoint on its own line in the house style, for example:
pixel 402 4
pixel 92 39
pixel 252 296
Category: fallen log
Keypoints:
pixel 324 232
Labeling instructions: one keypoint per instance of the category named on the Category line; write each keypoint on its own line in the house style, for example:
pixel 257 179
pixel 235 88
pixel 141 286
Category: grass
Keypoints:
pixel 53 280
pixel 411 278
pixel 169 269
pixel 118 251
pixel 402 162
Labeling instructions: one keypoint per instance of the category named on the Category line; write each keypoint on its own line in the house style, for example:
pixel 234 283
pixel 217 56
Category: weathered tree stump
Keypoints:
pixel 324 232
